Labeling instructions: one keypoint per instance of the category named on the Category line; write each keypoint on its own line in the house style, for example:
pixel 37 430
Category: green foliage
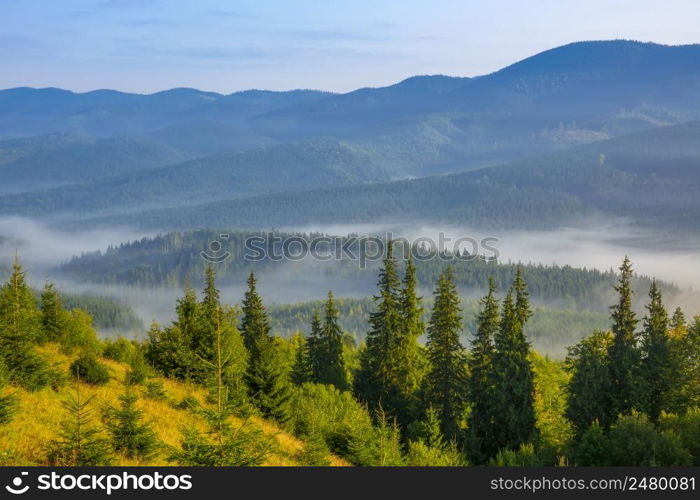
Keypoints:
pixel 120 349
pixel 446 381
pixel 430 448
pixel 326 361
pixel 78 333
pixel 130 435
pixel 323 411
pixel 155 390
pixel 525 456
pixel 514 412
pixel 658 370
pixel 315 452
pixel 634 441
pixel 588 387
pixel 79 443
pixel 87 368
pixel 481 379
pixel 623 354
pixel 265 377
pixel 221 444
pixel 592 448
pixel 378 446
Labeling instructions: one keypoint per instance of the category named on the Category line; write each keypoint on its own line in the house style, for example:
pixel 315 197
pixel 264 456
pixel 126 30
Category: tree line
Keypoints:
pixel 629 396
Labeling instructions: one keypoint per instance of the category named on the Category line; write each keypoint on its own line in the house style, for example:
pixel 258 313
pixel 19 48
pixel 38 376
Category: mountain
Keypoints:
pixel 56 159
pixel 284 168
pixel 651 177
pixel 567 96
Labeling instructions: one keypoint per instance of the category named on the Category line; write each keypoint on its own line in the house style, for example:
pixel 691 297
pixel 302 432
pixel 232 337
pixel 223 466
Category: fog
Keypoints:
pixel 600 246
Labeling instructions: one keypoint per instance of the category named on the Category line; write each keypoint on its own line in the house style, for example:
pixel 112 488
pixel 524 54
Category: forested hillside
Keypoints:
pixel 603 179
pixel 414 393
pixel 172 259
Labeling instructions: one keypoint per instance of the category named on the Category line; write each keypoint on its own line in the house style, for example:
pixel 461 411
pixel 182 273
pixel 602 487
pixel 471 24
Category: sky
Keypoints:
pixel 337 45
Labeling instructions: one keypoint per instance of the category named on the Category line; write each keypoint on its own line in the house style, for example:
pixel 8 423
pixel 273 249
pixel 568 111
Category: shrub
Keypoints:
pixel 332 415
pixel 120 350
pixel 79 334
pixel 89 370
pixel 154 390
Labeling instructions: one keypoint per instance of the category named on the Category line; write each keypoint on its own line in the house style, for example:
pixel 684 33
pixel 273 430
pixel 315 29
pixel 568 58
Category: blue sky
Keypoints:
pixel 224 46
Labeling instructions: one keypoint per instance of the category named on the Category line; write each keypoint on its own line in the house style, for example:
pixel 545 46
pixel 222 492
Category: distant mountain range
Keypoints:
pixel 578 130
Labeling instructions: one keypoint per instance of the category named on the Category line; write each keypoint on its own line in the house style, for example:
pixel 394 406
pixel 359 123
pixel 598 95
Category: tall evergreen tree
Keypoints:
pixel 658 370
pixel 408 352
pixel 20 327
pixel 446 381
pixel 481 378
pixel 314 356
pixel 265 376
pixel 588 400
pixel 678 322
pixel 254 323
pixel 624 357
pixel 52 319
pixel 329 363
pixel 187 311
pixel 377 380
pixel 514 413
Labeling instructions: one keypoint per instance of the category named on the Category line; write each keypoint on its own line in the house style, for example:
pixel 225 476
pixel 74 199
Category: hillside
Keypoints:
pixel 56 159
pixel 425 125
pixel 283 168
pixel 603 178
pixel 40 413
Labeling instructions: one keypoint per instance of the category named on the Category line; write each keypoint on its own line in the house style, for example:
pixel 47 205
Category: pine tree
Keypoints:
pixel 408 362
pixel 79 443
pixel 678 322
pixel 624 357
pixel 254 324
pixel 130 435
pixel 514 413
pixel 377 382
pixel 221 444
pixel 20 327
pixel 301 370
pixel 588 388
pixel 264 376
pixel 207 311
pixel 329 367
pixel 446 381
pixel 313 357
pixel 52 321
pixel 187 311
pixel 658 370
pixel 481 378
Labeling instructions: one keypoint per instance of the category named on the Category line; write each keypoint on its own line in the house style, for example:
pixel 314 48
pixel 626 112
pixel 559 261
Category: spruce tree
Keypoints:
pixel 658 370
pixel 52 320
pixel 331 369
pixel 314 357
pixel 408 360
pixel 79 443
pixel 130 435
pixel 254 324
pixel 587 362
pixel 221 445
pixel 514 413
pixel 623 355
pixel 377 382
pixel 678 322
pixel 187 312
pixel 8 400
pixel 481 389
pixel 264 376
pixel 20 328
pixel 446 381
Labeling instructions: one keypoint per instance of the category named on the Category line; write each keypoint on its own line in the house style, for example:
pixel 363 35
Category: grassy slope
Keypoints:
pixel 40 413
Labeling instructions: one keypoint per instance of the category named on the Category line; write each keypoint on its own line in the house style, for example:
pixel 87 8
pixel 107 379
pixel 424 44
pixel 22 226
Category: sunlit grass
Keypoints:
pixel 39 415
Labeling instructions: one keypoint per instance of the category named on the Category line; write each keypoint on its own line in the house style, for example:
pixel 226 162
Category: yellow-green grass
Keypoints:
pixel 39 415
